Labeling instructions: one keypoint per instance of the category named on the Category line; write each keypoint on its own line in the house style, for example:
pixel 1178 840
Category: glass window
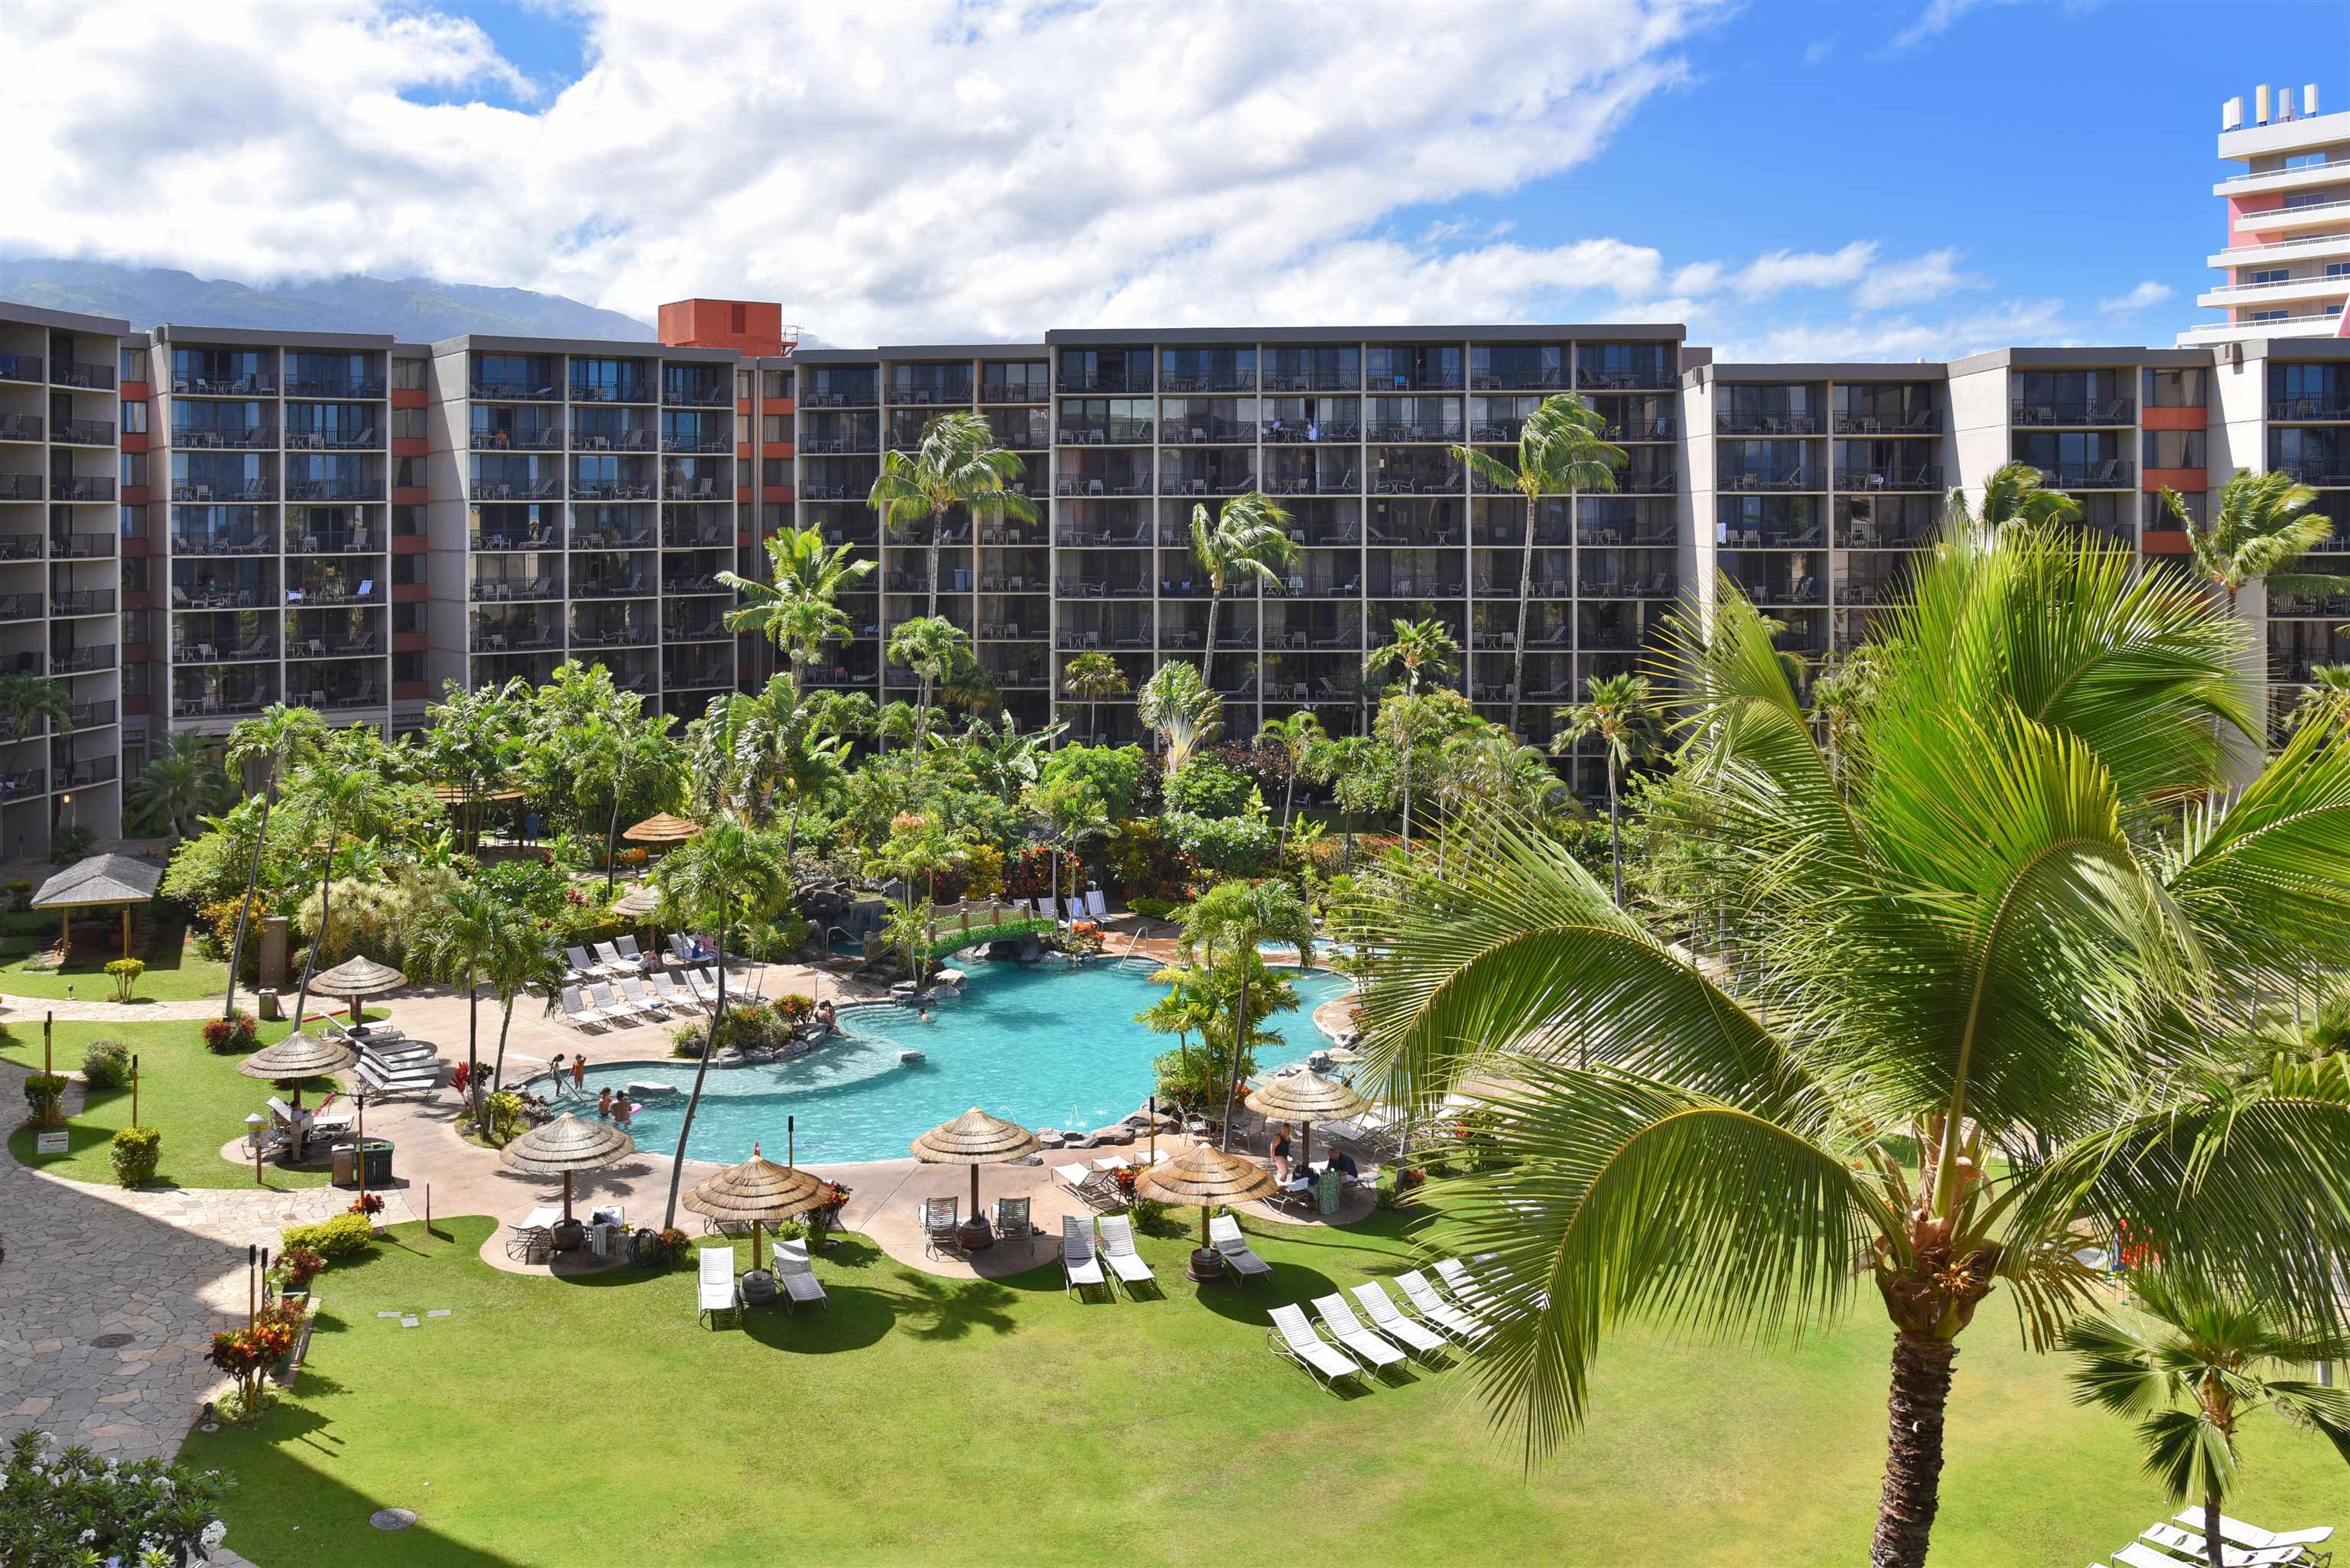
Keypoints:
pixel 743 385
pixel 407 374
pixel 779 383
pixel 134 364
pixel 775 472
pixel 134 417
pixel 771 430
pixel 134 522
pixel 134 468
pixel 2174 449
pixel 2179 388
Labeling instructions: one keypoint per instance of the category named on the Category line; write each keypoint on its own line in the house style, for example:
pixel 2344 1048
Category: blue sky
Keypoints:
pixel 1793 178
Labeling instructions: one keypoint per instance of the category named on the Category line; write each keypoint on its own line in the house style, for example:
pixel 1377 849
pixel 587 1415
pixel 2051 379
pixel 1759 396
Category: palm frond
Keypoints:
pixel 2267 874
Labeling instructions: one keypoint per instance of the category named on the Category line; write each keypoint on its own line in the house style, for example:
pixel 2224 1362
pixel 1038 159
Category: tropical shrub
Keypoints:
pixel 675 1247
pixel 126 972
pixel 68 1505
pixel 1115 774
pixel 1151 908
pixel 1205 787
pixel 230 1037
pixel 1227 845
pixel 1029 874
pixel 248 1354
pixel 1144 861
pixel 794 1007
pixel 298 1266
pixel 68 842
pixel 983 872
pixel 506 1117
pixel 42 1092
pixel 344 1236
pixel 135 1153
pixel 20 895
pixel 107 1064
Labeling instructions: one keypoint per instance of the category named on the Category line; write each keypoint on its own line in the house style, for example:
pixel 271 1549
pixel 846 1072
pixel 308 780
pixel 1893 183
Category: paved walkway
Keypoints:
pixel 84 1009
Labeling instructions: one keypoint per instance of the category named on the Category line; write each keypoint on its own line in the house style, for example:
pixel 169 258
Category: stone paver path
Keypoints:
pixel 90 1010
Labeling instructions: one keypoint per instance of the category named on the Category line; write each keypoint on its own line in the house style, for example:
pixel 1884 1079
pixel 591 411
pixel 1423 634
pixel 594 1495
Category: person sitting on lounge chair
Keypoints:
pixel 1344 1164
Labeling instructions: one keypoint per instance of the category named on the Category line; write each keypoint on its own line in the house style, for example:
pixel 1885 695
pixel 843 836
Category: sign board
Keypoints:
pixel 50 1143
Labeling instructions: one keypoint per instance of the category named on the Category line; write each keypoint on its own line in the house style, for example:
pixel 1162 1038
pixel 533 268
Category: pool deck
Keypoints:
pixel 435 1167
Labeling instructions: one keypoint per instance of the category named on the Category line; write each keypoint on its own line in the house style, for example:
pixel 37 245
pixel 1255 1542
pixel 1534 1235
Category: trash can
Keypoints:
pixel 376 1155
pixel 346 1171
pixel 265 999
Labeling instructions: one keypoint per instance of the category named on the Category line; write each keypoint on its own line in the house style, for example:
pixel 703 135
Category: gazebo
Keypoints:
pixel 1205 1178
pixel 356 977
pixel 662 828
pixel 100 882
pixel 297 1057
pixel 559 1148
pixel 757 1192
pixel 974 1138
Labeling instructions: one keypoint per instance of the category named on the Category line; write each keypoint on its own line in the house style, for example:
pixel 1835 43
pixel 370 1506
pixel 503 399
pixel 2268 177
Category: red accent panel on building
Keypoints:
pixel 745 326
pixel 407 397
pixel 402 691
pixel 410 641
pixel 410 495
pixel 136 391
pixel 137 653
pixel 134 494
pixel 409 593
pixel 409 544
pixel 135 441
pixel 2186 479
pixel 2167 542
pixel 2177 419
pixel 134 549
pixel 411 446
pixel 138 703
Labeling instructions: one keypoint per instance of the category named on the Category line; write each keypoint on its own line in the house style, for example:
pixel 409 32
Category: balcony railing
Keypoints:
pixel 81 547
pixel 597 537
pixel 634 587
pixel 708 630
pixel 354 388
pixel 2336 407
pixel 1013 392
pixel 1222 381
pixel 546 540
pixel 88 771
pixel 215 437
pixel 2325 472
pixel 818 446
pixel 698 585
pixel 81 373
pixel 1126 431
pixel 863 398
pixel 333 646
pixel 338 542
pixel 245 492
pixel 366 591
pixel 608 635
pixel 368 439
pixel 258 386
pixel 2097 411
pixel 93 715
pixel 547 438
pixel 509 490
pixel 81 660
pixel 639 438
pixel 1315 432
pixel 84 433
pixel 631 391
pixel 1658 380
pixel 20 427
pixel 22 547
pixel 22 367
pixel 695 536
pixel 721 441
pixel 334 490
pixel 1402 381
pixel 20 606
pixel 703 395
pixel 516 639
pixel 224 701
pixel 1538 381
pixel 2112 474
pixel 514 388
pixel 1106 381
pixel 32 780
pixel 81 487
pixel 501 590
pixel 20 487
pixel 1916 421
pixel 82 601
pixel 1649 483
pixel 610 490
pixel 1728 423
pixel 1415 430
pixel 1890 476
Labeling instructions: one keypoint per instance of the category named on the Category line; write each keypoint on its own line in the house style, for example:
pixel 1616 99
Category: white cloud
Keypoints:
pixel 888 171
pixel 1900 338
pixel 1818 51
pixel 1913 281
pixel 2145 296
pixel 1938 17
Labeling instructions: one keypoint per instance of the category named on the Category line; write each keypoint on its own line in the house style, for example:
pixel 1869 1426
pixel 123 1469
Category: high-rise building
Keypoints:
pixel 2285 266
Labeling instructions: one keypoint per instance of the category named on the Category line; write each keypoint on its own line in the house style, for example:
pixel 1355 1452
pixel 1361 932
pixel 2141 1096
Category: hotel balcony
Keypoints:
pixel 695 668
pixel 698 433
pixel 930 386
pixel 696 387
pixel 1602 581
pixel 21 487
pixel 1021 430
pixel 610 528
pixel 81 487
pixel 233 638
pixel 696 528
pixel 610 626
pixel 21 607
pixel 1532 367
pixel 2329 406
pixel 1312 370
pixel 839 387
pixel 333 685
pixel 82 546
pixel 514 430
pixel 1625 369
pixel 515 379
pixel 87 374
pixel 351 582
pixel 332 487
pixel 1756 423
pixel 1036 389
pixel 2112 474
pixel 22 547
pixel 68 603
pixel 2282 291
pixel 2327 323
pixel 87 659
pixel 302 382
pixel 20 428
pixel 503 587
pixel 1311 472
pixel 516 478
pixel 516 630
pixel 23 368
pixel 1124 429
pixel 1899 524
pixel 1407 471
pixel 691 623
pixel 2294 220
pixel 527 535
pixel 24 782
pixel 612 479
pixel 1889 476
pixel 698 479
pixel 1889 417
pixel 67 772
pixel 1103 474
pixel 827 433
pixel 2082 411
pixel 610 382
pixel 497 669
pixel 82 433
pixel 612 430
pixel 1381 427
pixel 334 634
pixel 603 576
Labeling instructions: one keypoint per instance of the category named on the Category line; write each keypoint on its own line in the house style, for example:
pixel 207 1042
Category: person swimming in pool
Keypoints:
pixel 604 1102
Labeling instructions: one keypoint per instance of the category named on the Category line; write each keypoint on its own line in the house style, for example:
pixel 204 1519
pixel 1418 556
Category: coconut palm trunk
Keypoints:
pixel 1526 603
pixel 1913 1456
pixel 251 881
pixel 938 527
pixel 505 1021
pixel 612 842
pixel 1232 1082
pixel 1289 808
pixel 1615 832
pixel 1208 654
pixel 700 1071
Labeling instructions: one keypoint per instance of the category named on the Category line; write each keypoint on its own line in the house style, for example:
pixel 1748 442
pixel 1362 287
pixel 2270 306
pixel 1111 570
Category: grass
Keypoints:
pixel 198 1099
pixel 176 971
pixel 543 1422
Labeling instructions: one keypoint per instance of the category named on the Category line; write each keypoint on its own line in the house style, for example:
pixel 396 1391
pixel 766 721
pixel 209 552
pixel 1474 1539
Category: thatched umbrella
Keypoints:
pixel 974 1138
pixel 1306 1099
pixel 359 977
pixel 760 1191
pixel 1205 1178
pixel 662 829
pixel 300 1056
pixel 564 1144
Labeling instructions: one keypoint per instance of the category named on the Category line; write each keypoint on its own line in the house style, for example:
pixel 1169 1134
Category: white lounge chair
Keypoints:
pixel 796 1274
pixel 627 949
pixel 942 1218
pixel 1294 1338
pixel 578 1011
pixel 581 964
pixel 1357 1341
pixel 1465 1326
pixel 1389 1320
pixel 610 956
pixel 1117 1251
pixel 1094 1187
pixel 613 1005
pixel 1113 1162
pixel 2252 1535
pixel 704 991
pixel 671 994
pixel 1224 1235
pixel 718 1290
pixel 644 1001
pixel 680 949
pixel 1097 908
pixel 2172 1538
pixel 1467 1290
pixel 1079 1267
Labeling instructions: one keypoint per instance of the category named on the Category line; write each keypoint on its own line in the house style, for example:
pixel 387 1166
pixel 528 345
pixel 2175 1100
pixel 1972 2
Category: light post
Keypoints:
pixel 358 1148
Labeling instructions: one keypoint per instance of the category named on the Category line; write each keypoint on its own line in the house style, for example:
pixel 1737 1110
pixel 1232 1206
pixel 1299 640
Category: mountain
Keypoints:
pixel 413 309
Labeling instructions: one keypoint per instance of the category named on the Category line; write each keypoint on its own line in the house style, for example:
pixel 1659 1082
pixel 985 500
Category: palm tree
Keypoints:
pixel 1840 699
pixel 1560 452
pixel 456 941
pixel 280 739
pixel 1619 714
pixel 728 874
pixel 1248 538
pixel 2263 529
pixel 957 464
pixel 1000 758
pixel 178 788
pixel 2325 700
pixel 341 795
pixel 1424 647
pixel 1296 738
pixel 799 611
pixel 1176 704
pixel 2002 935
pixel 2206 1361
pixel 933 648
pixel 1223 930
pixel 1089 678
pixel 2012 494
pixel 517 953
pixel 28 699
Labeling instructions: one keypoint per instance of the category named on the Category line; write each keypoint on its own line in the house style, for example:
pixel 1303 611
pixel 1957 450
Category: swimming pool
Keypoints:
pixel 1045 1046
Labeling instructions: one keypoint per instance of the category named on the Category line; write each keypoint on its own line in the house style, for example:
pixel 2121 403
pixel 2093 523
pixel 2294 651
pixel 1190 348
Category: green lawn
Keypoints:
pixel 176 973
pixel 547 1422
pixel 199 1099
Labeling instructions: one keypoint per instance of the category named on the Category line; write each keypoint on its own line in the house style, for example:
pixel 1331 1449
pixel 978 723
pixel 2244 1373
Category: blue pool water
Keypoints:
pixel 1046 1047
